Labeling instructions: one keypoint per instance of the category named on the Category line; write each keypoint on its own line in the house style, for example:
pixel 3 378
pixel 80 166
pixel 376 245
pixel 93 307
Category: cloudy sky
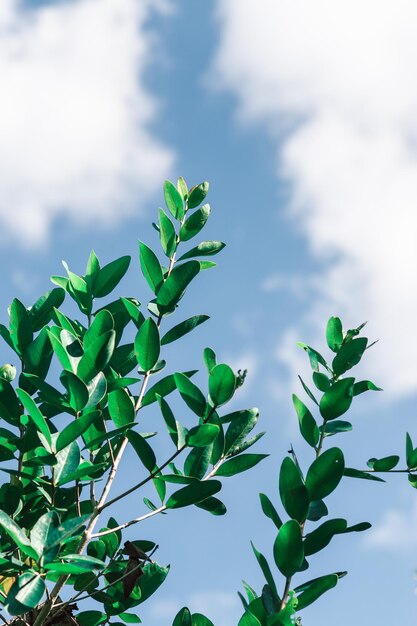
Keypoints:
pixel 302 117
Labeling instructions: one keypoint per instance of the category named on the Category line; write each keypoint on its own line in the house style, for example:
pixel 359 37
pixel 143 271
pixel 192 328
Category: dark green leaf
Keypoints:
pixel 321 381
pixel 269 510
pixel 314 356
pixel 349 355
pixel 292 490
pixel 194 223
pixel 266 570
pixel 222 384
pixel 212 505
pixel 337 399
pixel 97 356
pixel 183 328
pixel 202 435
pixel 191 494
pixel 75 429
pixel 109 276
pixel 354 473
pixel 314 589
pixel 336 426
pixel 147 345
pixel 76 388
pixel 364 385
pixel 205 248
pixel 151 268
pixel 42 311
pixel 238 464
pixel 21 332
pixel 25 594
pixel 183 618
pixel 201 620
pixel 191 394
pixel 241 424
pixel 288 548
pixel 9 405
pixel 317 510
pixel 198 460
pixel 175 285
pixel 334 333
pixel 325 473
pixel 385 464
pixel 173 200
pixel 68 461
pixel 167 234
pixel 307 423
pixel 35 414
pixel 143 450
pixel 163 387
pixel 18 536
pixel 197 194
pixel 121 407
pixel 91 618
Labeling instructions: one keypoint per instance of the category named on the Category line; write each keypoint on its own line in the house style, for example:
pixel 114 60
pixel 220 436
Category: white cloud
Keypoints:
pixel 396 530
pixel 334 83
pixel 75 115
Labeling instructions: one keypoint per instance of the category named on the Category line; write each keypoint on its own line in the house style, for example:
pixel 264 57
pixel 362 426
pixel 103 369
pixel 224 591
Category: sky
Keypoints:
pixel 302 117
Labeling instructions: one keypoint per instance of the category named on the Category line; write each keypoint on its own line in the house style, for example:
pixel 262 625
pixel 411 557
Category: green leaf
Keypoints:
pixel 175 285
pixel 97 389
pixel 133 311
pixel 288 548
pixel 321 381
pixel 202 435
pixel 38 354
pixel 191 394
pixel 197 461
pixel 121 407
pixel 241 424
pixel 183 328
pixel 21 332
pixel 266 570
pixel 191 494
pixel 337 399
pixel 147 345
pixel 349 355
pixel 173 200
pixel 238 464
pixel 97 356
pixel 213 506
pixel 76 388
pixel 182 187
pixel 321 536
pixel 269 510
pixel 354 473
pixel 9 405
pixel 18 536
pixel 292 490
pixel 143 450
pixel 201 620
pixel 194 223
pixel 25 594
pixel 385 464
pixel 35 414
pixel 314 356
pixel 197 194
pixel 67 463
pixel 75 429
pixel 109 276
pixel 364 385
pixel 222 384
pixel 102 323
pixel 334 334
pixel 209 357
pixel 128 618
pixel 205 248
pixel 183 618
pixel 308 391
pixel 312 590
pixel 151 268
pixel 317 510
pixel 91 618
pixel 336 426
pixel 325 473
pixel 42 311
pixel 308 426
pixel 45 533
pixel 163 388
pixel 167 234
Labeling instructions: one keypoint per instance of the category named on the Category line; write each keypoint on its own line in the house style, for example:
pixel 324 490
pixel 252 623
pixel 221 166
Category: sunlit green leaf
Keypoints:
pixel 325 473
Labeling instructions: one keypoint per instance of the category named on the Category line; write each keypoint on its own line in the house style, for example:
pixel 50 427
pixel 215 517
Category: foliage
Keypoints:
pixel 70 410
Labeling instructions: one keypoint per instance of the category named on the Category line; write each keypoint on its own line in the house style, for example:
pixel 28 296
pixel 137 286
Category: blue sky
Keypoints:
pixel 302 118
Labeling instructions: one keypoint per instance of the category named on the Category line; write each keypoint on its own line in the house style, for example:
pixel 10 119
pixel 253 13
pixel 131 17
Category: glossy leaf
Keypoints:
pixel 175 285
pixel 109 276
pixel 334 334
pixel 21 332
pixel 222 384
pixel 191 494
pixel 238 464
pixel 41 312
pixel 9 404
pixel 183 328
pixel 167 234
pixel 25 594
pixel 364 385
pixel 143 450
pixel 354 473
pixel 384 464
pixel 183 618
pixel 307 423
pixel 151 268
pixel 321 381
pixel 266 570
pixel 97 356
pixel 67 463
pixel 35 414
pixel 147 345
pixel 337 399
pixel 292 490
pixel 173 200
pixel 197 461
pixel 121 407
pixel 194 223
pixel 75 429
pixel 197 194
pixel 325 473
pixel 212 505
pixel 241 424
pixel 202 435
pixel 269 510
pixel 17 534
pixel 205 248
pixel 76 388
pixel 311 591
pixel 288 548
pixel 191 394
pixel 349 355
